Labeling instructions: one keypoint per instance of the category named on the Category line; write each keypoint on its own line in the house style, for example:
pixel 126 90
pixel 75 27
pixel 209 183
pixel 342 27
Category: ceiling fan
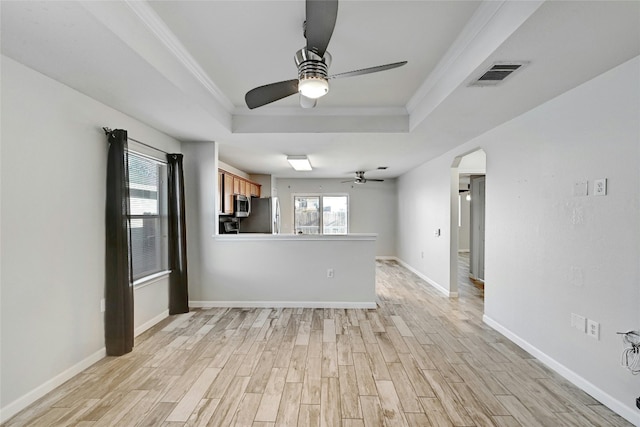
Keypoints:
pixel 313 61
pixel 360 179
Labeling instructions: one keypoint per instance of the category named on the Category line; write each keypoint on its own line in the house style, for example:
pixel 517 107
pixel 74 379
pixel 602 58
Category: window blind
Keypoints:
pixel 148 214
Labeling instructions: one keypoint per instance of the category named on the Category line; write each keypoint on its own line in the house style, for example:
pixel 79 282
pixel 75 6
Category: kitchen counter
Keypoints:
pixel 297 237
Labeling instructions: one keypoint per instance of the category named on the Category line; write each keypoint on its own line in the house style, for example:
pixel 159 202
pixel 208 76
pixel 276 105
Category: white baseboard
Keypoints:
pixel 606 399
pixel 149 324
pixel 433 283
pixel 386 258
pixel 282 304
pixel 22 402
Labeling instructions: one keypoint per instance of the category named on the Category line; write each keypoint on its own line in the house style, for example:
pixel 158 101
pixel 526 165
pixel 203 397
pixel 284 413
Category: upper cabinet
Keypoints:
pixel 255 189
pixel 230 184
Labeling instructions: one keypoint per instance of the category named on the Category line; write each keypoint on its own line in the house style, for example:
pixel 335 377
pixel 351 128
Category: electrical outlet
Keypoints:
pixel 330 273
pixel 600 187
pixel 593 329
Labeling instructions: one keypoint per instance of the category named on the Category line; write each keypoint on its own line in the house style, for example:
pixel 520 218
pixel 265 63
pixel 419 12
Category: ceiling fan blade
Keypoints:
pixel 307 102
pixel 266 94
pixel 321 20
pixel 368 70
pixel 376 180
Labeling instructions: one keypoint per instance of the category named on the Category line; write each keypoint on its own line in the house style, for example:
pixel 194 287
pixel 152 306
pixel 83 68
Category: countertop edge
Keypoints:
pixel 293 237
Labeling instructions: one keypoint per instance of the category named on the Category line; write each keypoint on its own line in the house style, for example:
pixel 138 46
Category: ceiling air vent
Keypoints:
pixel 497 73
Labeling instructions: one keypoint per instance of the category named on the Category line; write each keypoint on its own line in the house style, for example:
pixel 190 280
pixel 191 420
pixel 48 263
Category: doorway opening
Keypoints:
pixel 467 224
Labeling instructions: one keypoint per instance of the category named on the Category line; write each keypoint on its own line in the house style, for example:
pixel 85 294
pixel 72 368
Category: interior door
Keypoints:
pixel 476 267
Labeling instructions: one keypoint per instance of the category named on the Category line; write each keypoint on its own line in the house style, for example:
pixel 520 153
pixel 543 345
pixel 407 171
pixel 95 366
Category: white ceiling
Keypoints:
pixel 183 67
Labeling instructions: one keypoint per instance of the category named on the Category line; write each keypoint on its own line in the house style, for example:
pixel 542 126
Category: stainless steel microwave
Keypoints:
pixel 241 206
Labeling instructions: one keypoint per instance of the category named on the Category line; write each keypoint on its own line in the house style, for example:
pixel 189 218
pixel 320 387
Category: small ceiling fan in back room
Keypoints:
pixel 360 179
pixel 313 62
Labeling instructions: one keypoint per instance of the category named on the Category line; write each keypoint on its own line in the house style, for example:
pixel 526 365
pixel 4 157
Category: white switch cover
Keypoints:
pixel 102 305
pixel 330 273
pixel 600 187
pixel 580 188
pixel 578 322
pixel 593 329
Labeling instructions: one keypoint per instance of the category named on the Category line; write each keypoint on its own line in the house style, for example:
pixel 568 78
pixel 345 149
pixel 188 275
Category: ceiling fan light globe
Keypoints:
pixel 313 87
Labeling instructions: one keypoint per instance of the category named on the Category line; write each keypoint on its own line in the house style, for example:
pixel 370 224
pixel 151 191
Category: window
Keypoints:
pixel 309 220
pixel 148 204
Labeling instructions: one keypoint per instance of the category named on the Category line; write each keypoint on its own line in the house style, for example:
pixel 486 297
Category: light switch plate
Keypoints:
pixel 579 322
pixel 580 188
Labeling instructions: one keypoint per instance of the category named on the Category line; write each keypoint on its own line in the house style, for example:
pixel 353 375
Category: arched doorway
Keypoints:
pixel 467 216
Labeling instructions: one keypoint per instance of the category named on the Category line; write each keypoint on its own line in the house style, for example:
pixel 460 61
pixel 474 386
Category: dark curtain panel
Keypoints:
pixel 178 283
pixel 118 315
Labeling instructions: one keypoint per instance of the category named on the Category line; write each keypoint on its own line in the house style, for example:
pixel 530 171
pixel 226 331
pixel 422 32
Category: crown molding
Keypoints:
pixel 491 24
pixel 275 119
pixel 322 111
pixel 133 24
pixel 153 22
pixel 342 121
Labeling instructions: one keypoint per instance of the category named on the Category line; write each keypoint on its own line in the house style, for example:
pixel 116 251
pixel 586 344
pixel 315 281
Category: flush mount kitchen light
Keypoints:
pixel 299 163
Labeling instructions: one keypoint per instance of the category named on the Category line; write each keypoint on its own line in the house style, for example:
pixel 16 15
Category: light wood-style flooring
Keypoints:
pixel 420 359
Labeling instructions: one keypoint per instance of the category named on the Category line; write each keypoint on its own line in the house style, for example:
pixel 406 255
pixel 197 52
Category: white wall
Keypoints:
pixel 548 253
pixel 372 206
pixel 200 189
pixel 53 171
pixel 423 208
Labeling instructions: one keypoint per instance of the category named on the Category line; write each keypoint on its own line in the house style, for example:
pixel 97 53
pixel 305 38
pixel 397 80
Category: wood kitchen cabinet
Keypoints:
pixel 243 187
pixel 254 191
pixel 230 184
pixel 227 193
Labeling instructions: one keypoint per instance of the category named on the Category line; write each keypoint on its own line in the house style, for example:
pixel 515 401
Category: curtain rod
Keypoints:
pixel 107 131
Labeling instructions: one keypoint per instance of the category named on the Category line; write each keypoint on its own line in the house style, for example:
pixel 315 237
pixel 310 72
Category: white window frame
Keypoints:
pixel 321 207
pixel 162 247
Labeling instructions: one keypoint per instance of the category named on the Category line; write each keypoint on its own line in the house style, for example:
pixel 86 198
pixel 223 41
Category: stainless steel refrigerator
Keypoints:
pixel 263 218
